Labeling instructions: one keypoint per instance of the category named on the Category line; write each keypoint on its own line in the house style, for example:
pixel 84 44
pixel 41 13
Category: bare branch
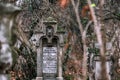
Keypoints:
pixel 77 16
pixel 86 28
pixel 97 27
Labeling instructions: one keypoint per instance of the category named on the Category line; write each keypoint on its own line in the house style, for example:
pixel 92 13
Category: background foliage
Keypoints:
pixel 35 11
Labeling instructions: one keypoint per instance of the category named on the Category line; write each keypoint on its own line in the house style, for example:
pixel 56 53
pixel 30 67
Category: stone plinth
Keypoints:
pixel 39 78
pixel 59 78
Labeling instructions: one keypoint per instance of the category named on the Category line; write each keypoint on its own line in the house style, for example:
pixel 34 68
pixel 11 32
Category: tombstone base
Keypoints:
pixel 59 78
pixel 39 78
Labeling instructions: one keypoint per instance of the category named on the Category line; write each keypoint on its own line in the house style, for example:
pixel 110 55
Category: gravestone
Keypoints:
pixel 49 52
pixel 98 68
pixel 95 63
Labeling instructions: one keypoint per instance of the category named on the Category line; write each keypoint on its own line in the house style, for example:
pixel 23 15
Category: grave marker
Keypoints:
pixel 49 52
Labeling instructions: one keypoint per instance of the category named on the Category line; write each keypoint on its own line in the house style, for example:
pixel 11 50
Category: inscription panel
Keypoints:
pixel 49 59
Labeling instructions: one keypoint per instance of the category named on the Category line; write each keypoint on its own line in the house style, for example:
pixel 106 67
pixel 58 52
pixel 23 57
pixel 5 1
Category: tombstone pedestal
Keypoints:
pixel 59 78
pixel 39 78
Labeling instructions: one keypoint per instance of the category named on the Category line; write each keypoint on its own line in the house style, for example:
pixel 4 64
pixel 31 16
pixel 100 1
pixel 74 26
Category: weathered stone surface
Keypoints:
pixel 59 78
pixel 8 14
pixel 49 64
pixel 39 78
pixel 49 60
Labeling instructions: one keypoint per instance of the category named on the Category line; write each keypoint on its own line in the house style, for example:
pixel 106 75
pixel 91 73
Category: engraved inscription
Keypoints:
pixel 49 59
